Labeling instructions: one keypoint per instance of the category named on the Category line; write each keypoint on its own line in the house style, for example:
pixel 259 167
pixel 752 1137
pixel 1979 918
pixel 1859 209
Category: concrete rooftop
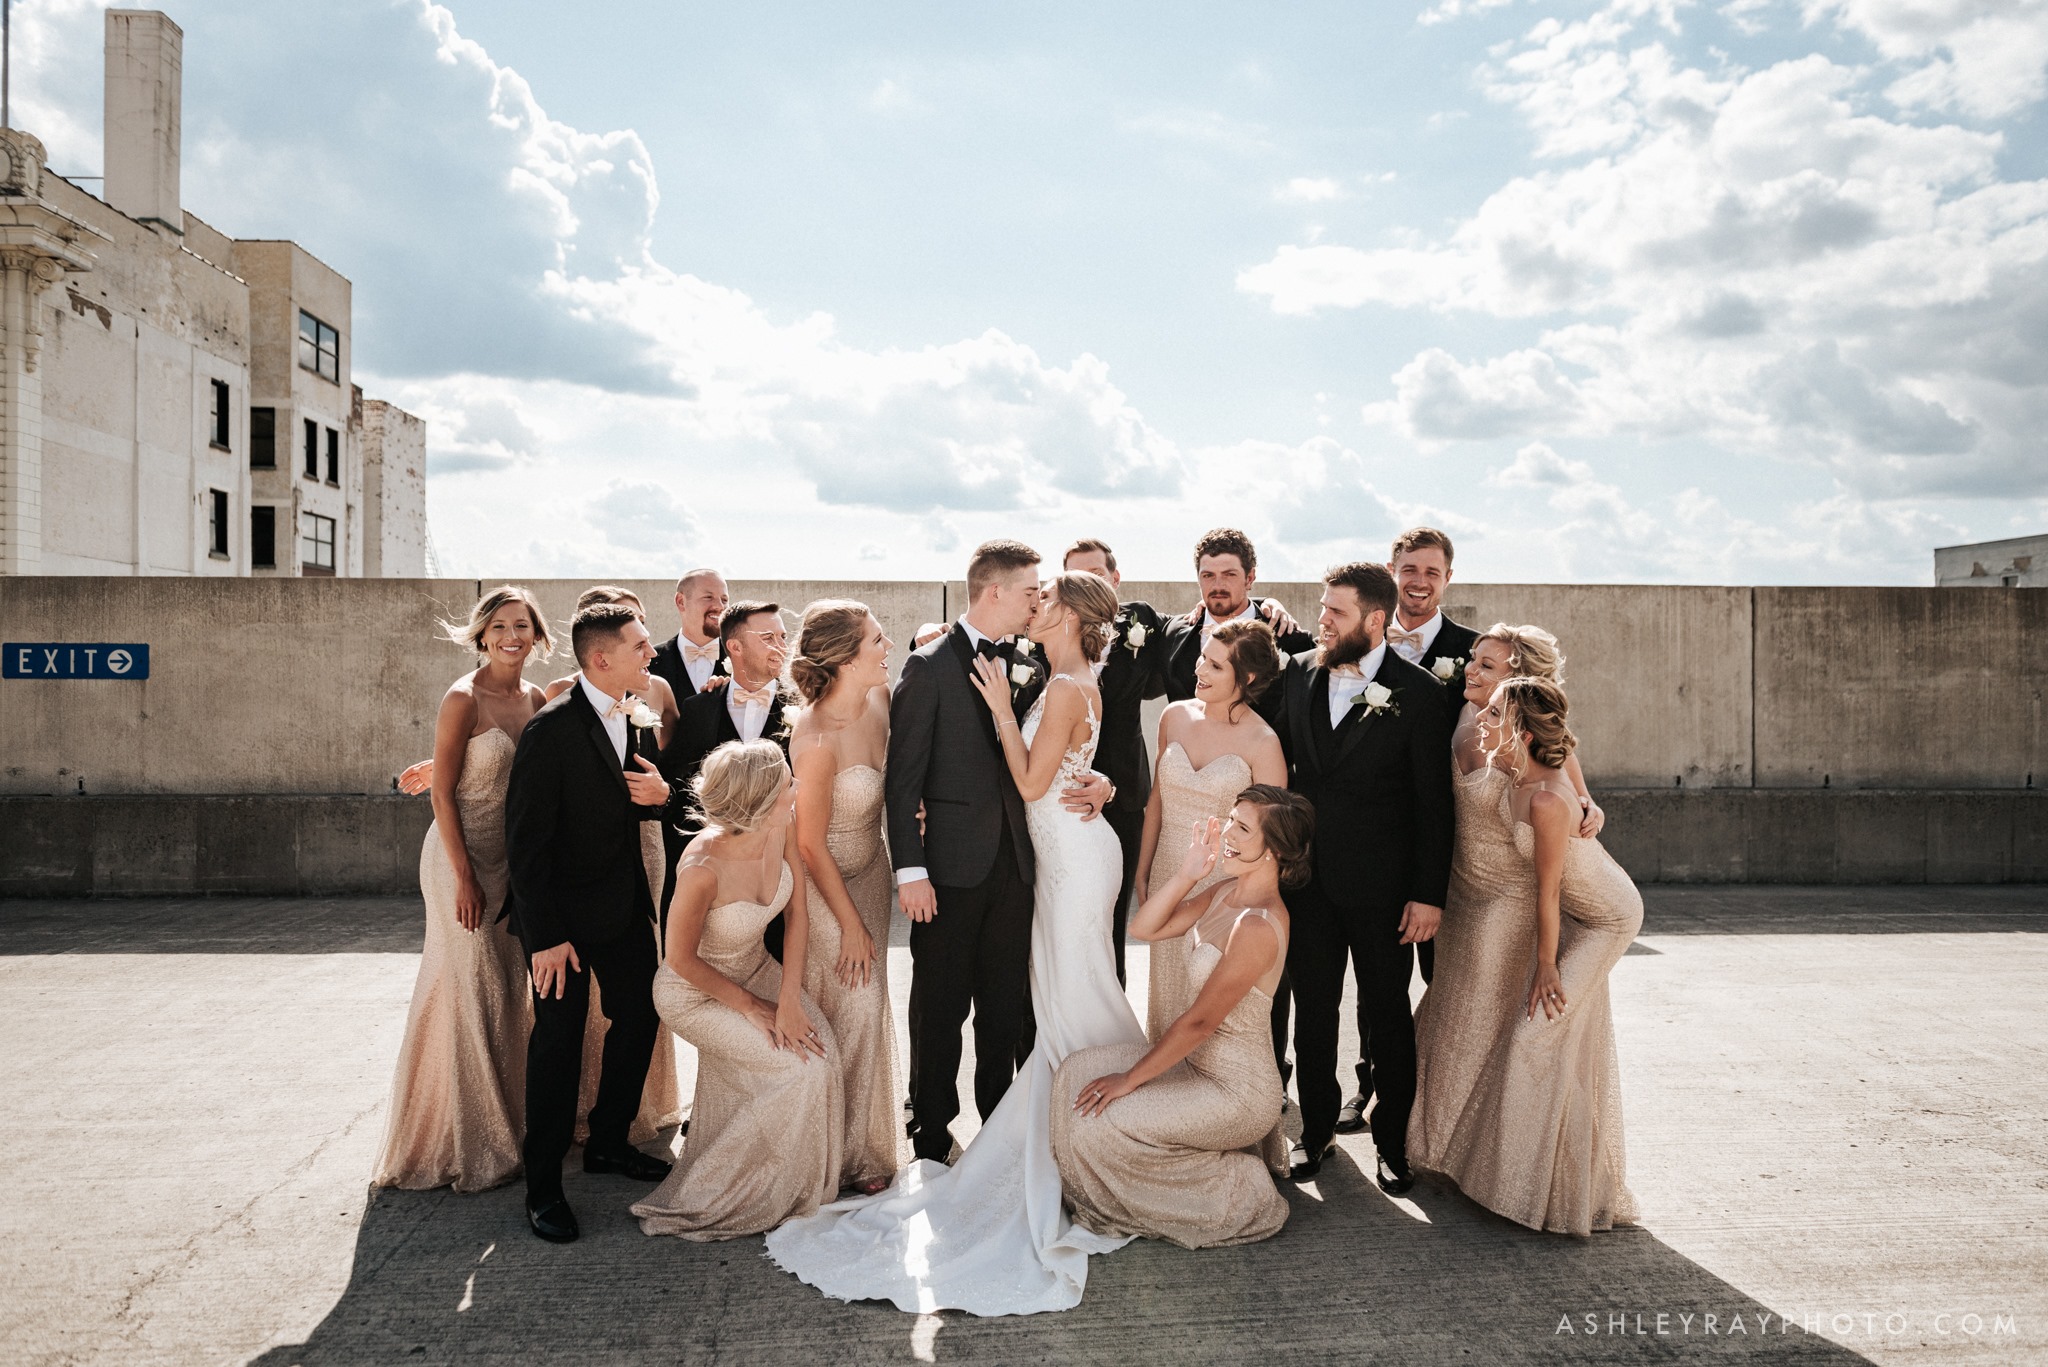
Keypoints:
pixel 1837 1107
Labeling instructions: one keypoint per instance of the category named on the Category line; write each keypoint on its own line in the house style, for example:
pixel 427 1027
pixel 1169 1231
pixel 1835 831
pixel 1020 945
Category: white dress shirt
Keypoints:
pixel 1209 623
pixel 614 726
pixel 1413 651
pixel 699 670
pixel 751 719
pixel 1346 686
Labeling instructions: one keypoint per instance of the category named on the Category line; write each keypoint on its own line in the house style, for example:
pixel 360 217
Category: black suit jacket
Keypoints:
pixel 572 830
pixel 943 753
pixel 703 723
pixel 1454 641
pixel 1130 674
pixel 1184 647
pixel 1381 785
pixel 668 663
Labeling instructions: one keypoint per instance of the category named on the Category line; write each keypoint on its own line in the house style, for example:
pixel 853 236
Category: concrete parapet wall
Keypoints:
pixel 309 845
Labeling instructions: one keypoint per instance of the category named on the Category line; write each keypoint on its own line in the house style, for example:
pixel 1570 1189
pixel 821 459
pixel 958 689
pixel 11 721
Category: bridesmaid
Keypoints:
pixel 1180 1141
pixel 458 1100
pixel 1503 652
pixel 839 744
pixel 767 1117
pixel 1211 747
pixel 1536 1133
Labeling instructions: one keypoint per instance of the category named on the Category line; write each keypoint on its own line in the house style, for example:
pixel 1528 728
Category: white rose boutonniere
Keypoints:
pixel 1447 668
pixel 1135 637
pixel 1375 699
pixel 1020 675
pixel 644 717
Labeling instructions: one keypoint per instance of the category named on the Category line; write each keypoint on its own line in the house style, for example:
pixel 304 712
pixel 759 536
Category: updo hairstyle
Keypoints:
pixel 1532 651
pixel 1093 602
pixel 1287 821
pixel 739 784
pixel 1254 658
pixel 471 633
pixel 610 593
pixel 1538 706
pixel 831 635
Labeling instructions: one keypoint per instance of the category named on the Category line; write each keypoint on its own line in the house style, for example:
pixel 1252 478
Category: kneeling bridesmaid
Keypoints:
pixel 1180 1140
pixel 766 1123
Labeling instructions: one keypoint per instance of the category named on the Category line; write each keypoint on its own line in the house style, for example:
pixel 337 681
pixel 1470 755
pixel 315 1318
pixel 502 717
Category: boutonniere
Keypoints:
pixel 1377 698
pixel 1448 668
pixel 1021 675
pixel 643 716
pixel 1135 635
pixel 724 665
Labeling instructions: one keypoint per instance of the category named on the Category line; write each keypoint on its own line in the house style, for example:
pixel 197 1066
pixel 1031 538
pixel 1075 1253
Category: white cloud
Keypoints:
pixel 1985 58
pixel 1309 190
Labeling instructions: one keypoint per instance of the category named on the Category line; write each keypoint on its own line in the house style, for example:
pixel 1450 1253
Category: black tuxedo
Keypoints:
pixel 1184 647
pixel 668 664
pixel 703 723
pixel 976 953
pixel 1381 786
pixel 1130 674
pixel 572 833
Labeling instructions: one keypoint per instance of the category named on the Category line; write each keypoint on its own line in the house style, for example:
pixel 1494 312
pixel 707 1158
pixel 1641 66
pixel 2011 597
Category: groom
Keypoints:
pixel 581 784
pixel 962 854
pixel 1366 733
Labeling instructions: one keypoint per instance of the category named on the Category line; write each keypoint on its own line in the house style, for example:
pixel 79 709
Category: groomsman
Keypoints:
pixel 1127 674
pixel 581 785
pixel 752 644
pixel 689 659
pixel 1368 739
pixel 1421 634
pixel 1226 567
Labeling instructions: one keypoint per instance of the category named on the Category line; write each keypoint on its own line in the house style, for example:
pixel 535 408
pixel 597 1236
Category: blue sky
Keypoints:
pixel 1642 290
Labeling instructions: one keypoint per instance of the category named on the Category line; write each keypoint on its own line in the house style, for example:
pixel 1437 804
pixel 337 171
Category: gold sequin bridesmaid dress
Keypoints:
pixel 1186 795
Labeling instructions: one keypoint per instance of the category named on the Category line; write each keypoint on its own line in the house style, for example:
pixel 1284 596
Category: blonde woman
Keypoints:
pixel 458 1109
pixel 766 1121
pixel 1518 1093
pixel 839 745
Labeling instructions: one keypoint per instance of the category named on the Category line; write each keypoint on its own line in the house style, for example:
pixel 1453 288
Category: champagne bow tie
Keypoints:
pixel 752 697
pixel 1397 638
pixel 622 708
pixel 1351 671
pixel 704 654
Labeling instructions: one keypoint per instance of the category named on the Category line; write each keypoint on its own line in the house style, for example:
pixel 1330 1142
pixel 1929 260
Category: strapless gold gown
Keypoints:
pixel 1186 795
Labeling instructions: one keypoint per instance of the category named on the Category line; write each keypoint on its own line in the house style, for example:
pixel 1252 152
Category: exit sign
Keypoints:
pixel 73 660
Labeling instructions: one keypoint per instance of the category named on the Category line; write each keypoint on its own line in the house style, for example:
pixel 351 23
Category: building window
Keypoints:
pixel 220 414
pixel 312 449
pixel 318 556
pixel 319 348
pixel 263 439
pixel 263 537
pixel 333 456
pixel 217 499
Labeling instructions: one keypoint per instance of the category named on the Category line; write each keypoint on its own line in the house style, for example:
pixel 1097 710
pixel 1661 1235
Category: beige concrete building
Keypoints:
pixel 174 400
pixel 2020 562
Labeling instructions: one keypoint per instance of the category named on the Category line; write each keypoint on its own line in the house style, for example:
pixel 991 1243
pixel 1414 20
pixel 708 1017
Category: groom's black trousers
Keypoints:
pixel 976 953
pixel 1324 935
pixel 554 1055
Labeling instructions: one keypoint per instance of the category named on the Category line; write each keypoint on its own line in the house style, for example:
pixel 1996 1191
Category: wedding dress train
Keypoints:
pixel 989 1235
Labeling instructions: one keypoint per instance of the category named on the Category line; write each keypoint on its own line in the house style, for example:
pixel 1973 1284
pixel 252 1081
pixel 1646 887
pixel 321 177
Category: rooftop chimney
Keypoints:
pixel 145 62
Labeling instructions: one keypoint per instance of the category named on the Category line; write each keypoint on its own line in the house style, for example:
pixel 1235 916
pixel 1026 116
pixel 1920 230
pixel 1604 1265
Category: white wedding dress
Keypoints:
pixel 989 1235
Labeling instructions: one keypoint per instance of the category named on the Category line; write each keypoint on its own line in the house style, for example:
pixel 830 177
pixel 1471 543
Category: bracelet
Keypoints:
pixel 1007 721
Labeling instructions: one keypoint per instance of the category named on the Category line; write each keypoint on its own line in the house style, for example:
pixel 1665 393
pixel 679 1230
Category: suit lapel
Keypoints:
pixel 1364 722
pixel 601 738
pixel 1301 719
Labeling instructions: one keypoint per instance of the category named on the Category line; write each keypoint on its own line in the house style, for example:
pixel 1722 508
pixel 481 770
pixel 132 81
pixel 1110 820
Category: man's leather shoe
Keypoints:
pixel 627 1162
pixel 1351 1120
pixel 1394 1179
pixel 552 1219
pixel 1307 1159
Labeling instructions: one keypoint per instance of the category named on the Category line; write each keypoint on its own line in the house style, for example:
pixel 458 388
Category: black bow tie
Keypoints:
pixel 989 650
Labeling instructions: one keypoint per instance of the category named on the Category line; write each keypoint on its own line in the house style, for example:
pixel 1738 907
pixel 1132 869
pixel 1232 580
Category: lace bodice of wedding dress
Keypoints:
pixel 989 1235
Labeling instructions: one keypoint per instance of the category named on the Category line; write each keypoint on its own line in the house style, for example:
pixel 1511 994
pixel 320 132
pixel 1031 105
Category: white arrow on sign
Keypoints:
pixel 120 661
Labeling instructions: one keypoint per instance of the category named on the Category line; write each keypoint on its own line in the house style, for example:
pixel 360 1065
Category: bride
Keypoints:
pixel 989 1234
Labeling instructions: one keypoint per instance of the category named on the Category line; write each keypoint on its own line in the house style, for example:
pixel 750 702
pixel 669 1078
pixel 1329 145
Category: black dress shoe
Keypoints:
pixel 627 1162
pixel 1351 1120
pixel 1394 1176
pixel 1307 1159
pixel 552 1219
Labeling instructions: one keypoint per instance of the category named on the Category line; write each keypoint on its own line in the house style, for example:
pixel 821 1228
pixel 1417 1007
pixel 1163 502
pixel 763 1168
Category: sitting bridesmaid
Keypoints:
pixel 839 744
pixel 766 1120
pixel 1180 1141
pixel 458 1102
pixel 1211 747
pixel 1539 1138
